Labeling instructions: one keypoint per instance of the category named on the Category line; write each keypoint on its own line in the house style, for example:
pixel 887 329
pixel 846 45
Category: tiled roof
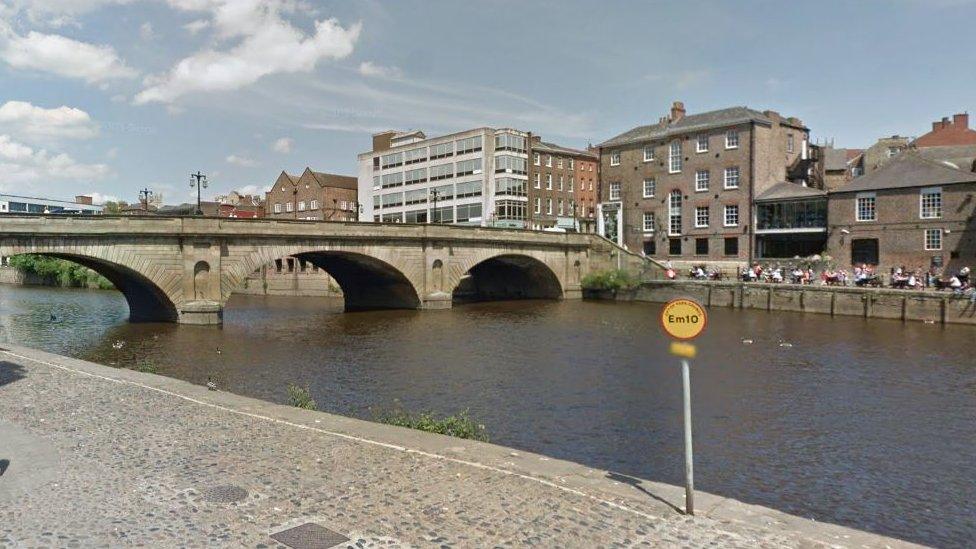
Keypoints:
pixel 835 159
pixel 785 190
pixel 333 180
pixel 543 146
pixel 690 123
pixel 907 170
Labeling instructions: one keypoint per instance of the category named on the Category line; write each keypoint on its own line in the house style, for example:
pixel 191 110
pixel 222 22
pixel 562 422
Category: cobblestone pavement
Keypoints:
pixel 95 456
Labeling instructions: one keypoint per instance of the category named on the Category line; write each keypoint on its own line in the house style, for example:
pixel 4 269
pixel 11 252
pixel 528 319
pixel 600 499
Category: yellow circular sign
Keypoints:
pixel 683 318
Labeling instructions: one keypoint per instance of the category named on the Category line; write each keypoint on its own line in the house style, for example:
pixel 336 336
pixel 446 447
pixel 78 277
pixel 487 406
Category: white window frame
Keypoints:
pixel 548 206
pixel 648 153
pixel 701 143
pixel 648 217
pixel 289 207
pixel 674 160
pixel 301 206
pixel 314 204
pixel 615 190
pixel 790 147
pixel 930 191
pixel 536 159
pixel 538 181
pixel 674 212
pixel 277 207
pixel 725 215
pixel 538 205
pixel 726 178
pixel 874 207
pixel 698 216
pixel 925 237
pixel 732 139
pixel 644 187
pixel 561 183
pixel 548 160
pixel 548 181
pixel 699 188
pixel 615 158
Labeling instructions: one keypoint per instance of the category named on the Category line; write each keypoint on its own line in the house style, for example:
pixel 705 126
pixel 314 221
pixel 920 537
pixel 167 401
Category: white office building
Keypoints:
pixel 27 204
pixel 475 177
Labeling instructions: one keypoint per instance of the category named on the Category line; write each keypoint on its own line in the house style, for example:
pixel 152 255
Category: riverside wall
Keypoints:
pixel 906 305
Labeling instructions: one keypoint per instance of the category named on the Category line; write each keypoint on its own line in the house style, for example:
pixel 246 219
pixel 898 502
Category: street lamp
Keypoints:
pixel 434 193
pixel 144 196
pixel 199 181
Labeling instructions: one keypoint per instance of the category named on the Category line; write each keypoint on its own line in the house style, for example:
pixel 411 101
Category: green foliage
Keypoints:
pixel 147 366
pixel 617 279
pixel 60 272
pixel 300 397
pixel 458 425
pixel 114 207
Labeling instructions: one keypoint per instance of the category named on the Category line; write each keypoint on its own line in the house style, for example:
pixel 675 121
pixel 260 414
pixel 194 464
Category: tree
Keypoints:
pixel 112 207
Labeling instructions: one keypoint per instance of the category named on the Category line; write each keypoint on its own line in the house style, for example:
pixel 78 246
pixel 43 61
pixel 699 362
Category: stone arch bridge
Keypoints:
pixel 184 269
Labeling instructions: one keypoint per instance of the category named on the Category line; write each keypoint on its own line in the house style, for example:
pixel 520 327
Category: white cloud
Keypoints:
pixel 99 198
pixel 268 44
pixel 194 27
pixel 283 145
pixel 146 31
pixel 368 68
pixel 38 123
pixel 238 160
pixel 56 54
pixel 253 189
pixel 22 165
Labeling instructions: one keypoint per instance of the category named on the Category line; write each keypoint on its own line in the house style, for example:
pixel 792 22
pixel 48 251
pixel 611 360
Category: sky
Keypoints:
pixel 106 97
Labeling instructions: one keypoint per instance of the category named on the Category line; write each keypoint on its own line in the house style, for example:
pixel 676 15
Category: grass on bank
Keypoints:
pixel 300 397
pixel 617 279
pixel 458 425
pixel 59 272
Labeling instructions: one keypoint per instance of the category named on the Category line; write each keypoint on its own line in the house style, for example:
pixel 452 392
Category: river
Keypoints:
pixel 869 424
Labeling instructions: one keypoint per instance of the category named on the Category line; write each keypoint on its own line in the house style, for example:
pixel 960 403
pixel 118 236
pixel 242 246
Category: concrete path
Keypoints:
pixel 98 456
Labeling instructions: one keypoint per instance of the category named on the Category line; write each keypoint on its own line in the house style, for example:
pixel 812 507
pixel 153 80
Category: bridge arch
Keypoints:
pixel 147 301
pixel 508 276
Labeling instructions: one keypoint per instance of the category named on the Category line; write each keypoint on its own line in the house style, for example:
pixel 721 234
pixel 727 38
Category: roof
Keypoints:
pixel 907 170
pixel 835 159
pixel 333 180
pixel 690 123
pixel 959 156
pixel 785 190
pixel 557 149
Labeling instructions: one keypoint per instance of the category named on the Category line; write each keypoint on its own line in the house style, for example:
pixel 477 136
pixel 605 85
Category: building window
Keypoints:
pixel 443 171
pixel 648 222
pixel 933 239
pixel 674 157
pixel 702 144
pixel 701 217
pixel 572 184
pixel 789 143
pixel 314 204
pixel 538 181
pixel 732 246
pixel 415 155
pixel 674 246
pixel 701 180
pixel 468 189
pixel 301 206
pixel 392 160
pixel 560 210
pixel 289 206
pixel 548 160
pixel 277 208
pixel 731 215
pixel 559 163
pixel 560 182
pixel 614 159
pixel 506 163
pixel 442 150
pixel 732 177
pixel 650 247
pixel 469 145
pixel 866 209
pixel 649 188
pixel 615 191
pixel 548 206
pixel 732 139
pixel 549 181
pixel 674 212
pixel 931 203
pixel 536 159
pixel 892 151
pixel 468 212
pixel 701 246
pixel 468 167
pixel 648 153
pixel 538 205
pixel 571 164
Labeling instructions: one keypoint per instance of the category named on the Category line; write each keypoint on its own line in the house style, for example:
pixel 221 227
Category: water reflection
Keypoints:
pixel 867 424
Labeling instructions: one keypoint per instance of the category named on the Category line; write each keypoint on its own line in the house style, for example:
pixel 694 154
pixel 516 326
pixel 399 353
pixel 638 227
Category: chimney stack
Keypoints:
pixel 383 140
pixel 677 111
pixel 961 120
pixel 83 199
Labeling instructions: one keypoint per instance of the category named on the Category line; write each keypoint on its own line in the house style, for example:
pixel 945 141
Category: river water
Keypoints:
pixel 869 424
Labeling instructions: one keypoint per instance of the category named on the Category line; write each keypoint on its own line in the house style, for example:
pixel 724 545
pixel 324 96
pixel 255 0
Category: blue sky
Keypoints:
pixel 109 96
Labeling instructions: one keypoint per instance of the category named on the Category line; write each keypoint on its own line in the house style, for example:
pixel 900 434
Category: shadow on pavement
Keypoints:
pixel 636 483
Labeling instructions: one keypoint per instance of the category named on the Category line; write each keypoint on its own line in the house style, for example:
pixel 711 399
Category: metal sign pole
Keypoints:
pixel 689 456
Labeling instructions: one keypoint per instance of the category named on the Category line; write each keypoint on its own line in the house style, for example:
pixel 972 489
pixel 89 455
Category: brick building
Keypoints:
pixel 947 132
pixel 912 212
pixel 683 188
pixel 313 195
pixel 881 151
pixel 563 186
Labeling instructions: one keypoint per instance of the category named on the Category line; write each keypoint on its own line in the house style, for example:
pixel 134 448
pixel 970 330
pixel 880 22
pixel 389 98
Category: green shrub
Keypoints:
pixel 147 366
pixel 617 279
pixel 59 272
pixel 458 425
pixel 300 397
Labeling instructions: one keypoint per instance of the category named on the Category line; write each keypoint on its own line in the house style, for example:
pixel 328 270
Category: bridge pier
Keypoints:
pixel 201 313
pixel 437 301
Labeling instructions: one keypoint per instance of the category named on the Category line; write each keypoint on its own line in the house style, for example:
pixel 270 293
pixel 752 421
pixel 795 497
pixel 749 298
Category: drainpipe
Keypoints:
pixel 752 188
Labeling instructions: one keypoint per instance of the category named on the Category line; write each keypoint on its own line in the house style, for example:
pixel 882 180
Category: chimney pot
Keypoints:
pixel 677 111
pixel 961 120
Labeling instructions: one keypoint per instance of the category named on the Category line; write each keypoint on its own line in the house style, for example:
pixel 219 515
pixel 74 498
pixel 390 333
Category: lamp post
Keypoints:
pixel 434 193
pixel 144 196
pixel 199 181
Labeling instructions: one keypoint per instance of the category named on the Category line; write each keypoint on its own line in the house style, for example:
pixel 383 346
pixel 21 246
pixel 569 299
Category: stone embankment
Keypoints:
pixel 98 456
pixel 927 306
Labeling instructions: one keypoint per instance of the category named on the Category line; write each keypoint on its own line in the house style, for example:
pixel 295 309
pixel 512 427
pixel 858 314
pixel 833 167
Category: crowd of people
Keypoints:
pixel 862 275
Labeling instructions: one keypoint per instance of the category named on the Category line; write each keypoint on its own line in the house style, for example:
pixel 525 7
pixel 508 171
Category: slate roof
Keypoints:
pixel 961 156
pixel 333 180
pixel 906 170
pixel 785 190
pixel 835 159
pixel 691 123
pixel 542 146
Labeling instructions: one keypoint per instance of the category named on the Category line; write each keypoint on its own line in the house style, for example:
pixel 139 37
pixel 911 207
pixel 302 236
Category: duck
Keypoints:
pixel 785 344
pixel 747 342
pixel 118 344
